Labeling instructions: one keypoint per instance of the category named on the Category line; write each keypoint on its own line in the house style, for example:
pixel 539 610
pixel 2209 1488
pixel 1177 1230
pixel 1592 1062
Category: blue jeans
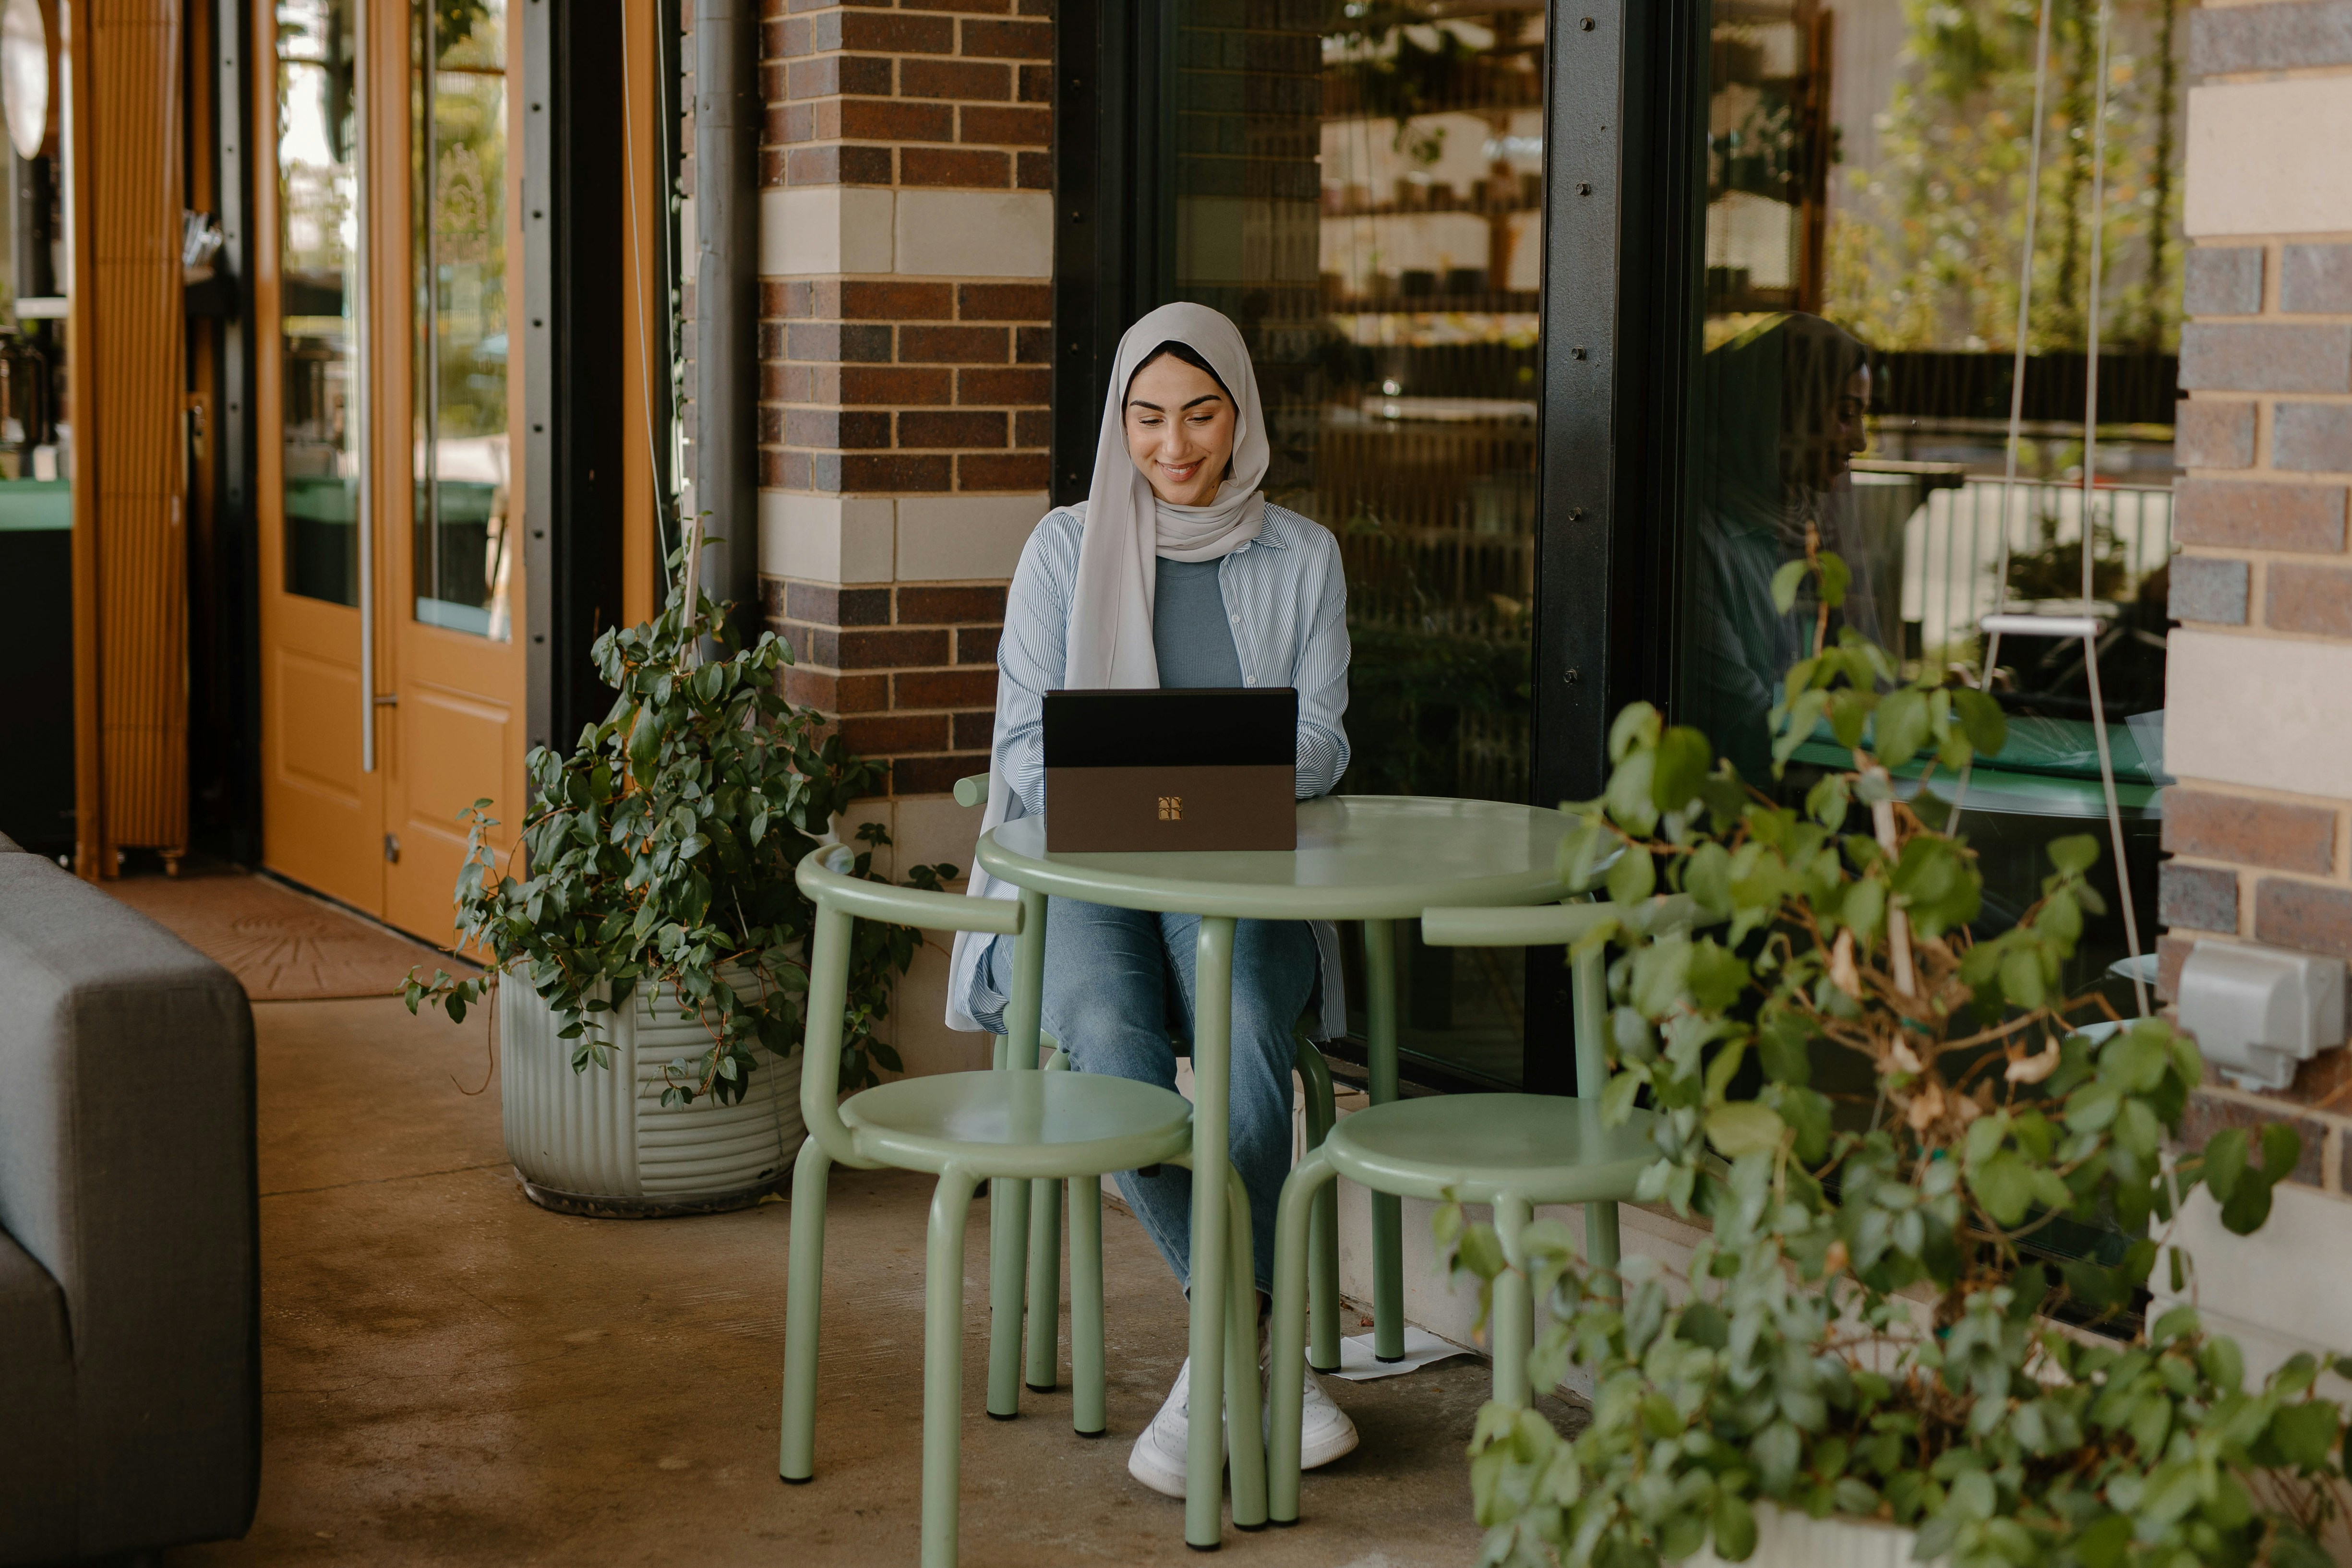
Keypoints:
pixel 1109 1000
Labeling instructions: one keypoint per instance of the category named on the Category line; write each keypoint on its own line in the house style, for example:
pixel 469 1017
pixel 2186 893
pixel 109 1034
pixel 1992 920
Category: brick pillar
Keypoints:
pixel 906 304
pixel 2259 703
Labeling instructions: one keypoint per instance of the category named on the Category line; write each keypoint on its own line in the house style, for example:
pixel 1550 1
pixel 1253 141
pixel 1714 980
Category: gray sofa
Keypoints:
pixel 129 1278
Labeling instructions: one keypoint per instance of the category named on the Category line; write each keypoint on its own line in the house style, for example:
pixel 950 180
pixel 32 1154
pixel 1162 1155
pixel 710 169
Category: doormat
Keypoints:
pixel 282 946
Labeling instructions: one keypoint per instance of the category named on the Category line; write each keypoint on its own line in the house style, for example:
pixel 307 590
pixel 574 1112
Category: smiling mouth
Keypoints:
pixel 1181 472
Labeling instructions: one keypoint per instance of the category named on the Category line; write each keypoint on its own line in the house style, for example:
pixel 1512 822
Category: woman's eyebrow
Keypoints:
pixel 1204 397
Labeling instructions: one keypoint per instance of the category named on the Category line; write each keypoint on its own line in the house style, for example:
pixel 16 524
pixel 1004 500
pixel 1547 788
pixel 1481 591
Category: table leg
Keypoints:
pixel 1388 1213
pixel 1213 1024
pixel 1008 1200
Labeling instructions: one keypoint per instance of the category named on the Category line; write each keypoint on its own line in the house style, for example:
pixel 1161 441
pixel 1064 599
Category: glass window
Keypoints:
pixel 318 174
pixel 1867 182
pixel 1359 187
pixel 459 117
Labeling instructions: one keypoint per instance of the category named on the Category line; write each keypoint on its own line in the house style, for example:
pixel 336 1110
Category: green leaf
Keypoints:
pixel 2305 1433
pixel 2075 853
pixel 1744 1127
pixel 1786 582
pixel 1636 725
pixel 1634 876
pixel 1734 1526
pixel 2004 1185
pixel 1900 728
pixel 1981 719
pixel 2225 1162
pixel 2106 1542
pixel 1835 575
pixel 1684 758
pixel 2282 1149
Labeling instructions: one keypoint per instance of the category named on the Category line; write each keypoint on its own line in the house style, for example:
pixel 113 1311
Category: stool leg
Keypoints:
pixel 1044 1285
pixel 1087 1307
pixel 1286 1393
pixel 943 1365
pixel 1244 1419
pixel 803 1301
pixel 1323 1223
pixel 1387 1212
pixel 1515 1317
pixel 1008 1257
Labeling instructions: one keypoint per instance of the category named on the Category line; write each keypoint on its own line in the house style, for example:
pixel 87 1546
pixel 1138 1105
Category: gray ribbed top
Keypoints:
pixel 1192 635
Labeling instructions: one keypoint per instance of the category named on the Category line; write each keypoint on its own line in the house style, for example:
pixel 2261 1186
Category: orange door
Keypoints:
pixel 392 670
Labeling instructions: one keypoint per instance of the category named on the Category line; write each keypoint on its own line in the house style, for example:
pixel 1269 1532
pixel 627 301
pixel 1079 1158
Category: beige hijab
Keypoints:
pixel 1128 526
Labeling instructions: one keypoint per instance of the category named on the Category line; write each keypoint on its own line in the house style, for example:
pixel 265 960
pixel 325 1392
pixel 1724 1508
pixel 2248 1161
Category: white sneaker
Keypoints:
pixel 1158 1456
pixel 1325 1432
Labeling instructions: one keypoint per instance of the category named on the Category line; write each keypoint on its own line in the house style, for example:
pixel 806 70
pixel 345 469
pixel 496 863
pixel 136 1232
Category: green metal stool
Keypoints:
pixel 1017 1124
pixel 1511 1151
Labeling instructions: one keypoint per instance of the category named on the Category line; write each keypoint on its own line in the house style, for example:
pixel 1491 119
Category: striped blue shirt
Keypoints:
pixel 1285 597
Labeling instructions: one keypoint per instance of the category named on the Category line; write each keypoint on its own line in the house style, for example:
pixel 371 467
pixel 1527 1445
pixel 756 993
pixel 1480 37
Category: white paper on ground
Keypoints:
pixel 1359 1364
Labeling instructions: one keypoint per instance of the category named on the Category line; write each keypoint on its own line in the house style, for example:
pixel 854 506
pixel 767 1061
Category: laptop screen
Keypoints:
pixel 1206 727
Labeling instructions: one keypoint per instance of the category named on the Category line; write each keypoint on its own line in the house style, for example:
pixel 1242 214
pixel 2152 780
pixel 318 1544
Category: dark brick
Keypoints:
pixel 952 345
pixel 969 80
pixel 1006 127
pixel 830 75
pixel 1009 471
pixel 2315 599
pixel 823 605
pixel 777 298
pixel 1005 302
pixel 2171 952
pixel 891 648
pixel 975 731
pixel 886 733
pixel 792 122
pixel 1033 427
pixel 2213 432
pixel 2320 1083
pixel 817 646
pixel 2261 517
pixel 771 601
pixel 1034 387
pixel 960 428
pixel 2276 833
pixel 2208 1114
pixel 977 8
pixel 945 688
pixel 900 385
pixel 864 474
pixel 1009 40
pixel 2316 279
pixel 2312 437
pixel 2223 280
pixel 932 775
pixel 2303 914
pixel 2203 588
pixel 770 426
pixel 771 172
pixel 1036 84
pixel 885 32
pixel 785 471
pixel 794 37
pixel 895 120
pixel 977 644
pixel 830 693
pixel 771 342
pixel 896 301
pixel 1033 345
pixel 839 342
pixel 837 166
pixel 844 430
pixel 961 167
pixel 2202 898
pixel 948 606
pixel 808 382
pixel 2216 357
pixel 2223 40
pixel 1034 170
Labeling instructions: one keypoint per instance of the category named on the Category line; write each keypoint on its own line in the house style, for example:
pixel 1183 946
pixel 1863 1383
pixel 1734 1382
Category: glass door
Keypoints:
pixel 1360 188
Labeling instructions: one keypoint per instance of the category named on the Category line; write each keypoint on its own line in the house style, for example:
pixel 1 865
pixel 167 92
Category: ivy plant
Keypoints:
pixel 660 853
pixel 1867 1329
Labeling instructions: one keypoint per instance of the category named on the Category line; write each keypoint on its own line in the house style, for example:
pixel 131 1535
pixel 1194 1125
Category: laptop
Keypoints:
pixel 1210 769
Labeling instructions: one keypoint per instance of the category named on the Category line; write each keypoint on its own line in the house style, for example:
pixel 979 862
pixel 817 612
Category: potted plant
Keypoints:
pixel 1865 1360
pixel 659 931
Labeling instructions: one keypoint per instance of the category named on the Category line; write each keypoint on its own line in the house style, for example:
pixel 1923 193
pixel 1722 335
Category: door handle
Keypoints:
pixel 387 699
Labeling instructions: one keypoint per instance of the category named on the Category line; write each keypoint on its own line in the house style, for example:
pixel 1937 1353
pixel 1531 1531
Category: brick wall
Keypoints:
pixel 906 307
pixel 2259 725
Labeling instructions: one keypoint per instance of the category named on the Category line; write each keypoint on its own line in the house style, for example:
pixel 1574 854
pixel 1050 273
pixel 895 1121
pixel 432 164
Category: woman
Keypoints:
pixel 1174 573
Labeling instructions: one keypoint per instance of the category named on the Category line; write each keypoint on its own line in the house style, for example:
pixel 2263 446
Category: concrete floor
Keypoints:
pixel 453 1376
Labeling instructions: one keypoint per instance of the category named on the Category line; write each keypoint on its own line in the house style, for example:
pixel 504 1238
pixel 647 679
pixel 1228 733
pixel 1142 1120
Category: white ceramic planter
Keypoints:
pixel 601 1142
pixel 1786 1539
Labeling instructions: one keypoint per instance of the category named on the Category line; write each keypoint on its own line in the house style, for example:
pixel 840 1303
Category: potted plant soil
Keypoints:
pixel 1876 1355
pixel 649 1052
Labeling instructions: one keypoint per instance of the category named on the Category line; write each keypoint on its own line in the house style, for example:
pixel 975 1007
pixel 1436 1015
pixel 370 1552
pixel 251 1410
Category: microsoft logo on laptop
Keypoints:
pixel 1171 808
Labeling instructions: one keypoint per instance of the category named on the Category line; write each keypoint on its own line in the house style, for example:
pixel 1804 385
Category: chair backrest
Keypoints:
pixel 841 900
pixel 1557 924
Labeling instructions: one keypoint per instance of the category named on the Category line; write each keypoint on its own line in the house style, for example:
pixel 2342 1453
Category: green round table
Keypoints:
pixel 1374 857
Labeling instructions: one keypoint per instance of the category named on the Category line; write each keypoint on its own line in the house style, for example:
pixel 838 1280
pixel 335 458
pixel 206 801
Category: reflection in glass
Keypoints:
pixel 318 174
pixel 458 172
pixel 1366 202
pixel 1866 177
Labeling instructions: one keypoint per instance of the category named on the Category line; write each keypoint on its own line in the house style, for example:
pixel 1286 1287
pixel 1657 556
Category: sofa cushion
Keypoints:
pixel 127 1175
pixel 37 1392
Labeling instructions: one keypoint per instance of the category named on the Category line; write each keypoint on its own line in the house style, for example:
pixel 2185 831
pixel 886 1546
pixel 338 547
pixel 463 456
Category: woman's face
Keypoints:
pixel 1180 431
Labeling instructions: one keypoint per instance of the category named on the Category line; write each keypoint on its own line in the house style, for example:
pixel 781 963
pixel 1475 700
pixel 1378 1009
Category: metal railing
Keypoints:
pixel 1951 549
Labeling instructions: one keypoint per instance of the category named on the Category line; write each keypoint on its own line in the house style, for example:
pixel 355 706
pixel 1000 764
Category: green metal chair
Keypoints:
pixel 1511 1151
pixel 1039 1229
pixel 1016 1124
